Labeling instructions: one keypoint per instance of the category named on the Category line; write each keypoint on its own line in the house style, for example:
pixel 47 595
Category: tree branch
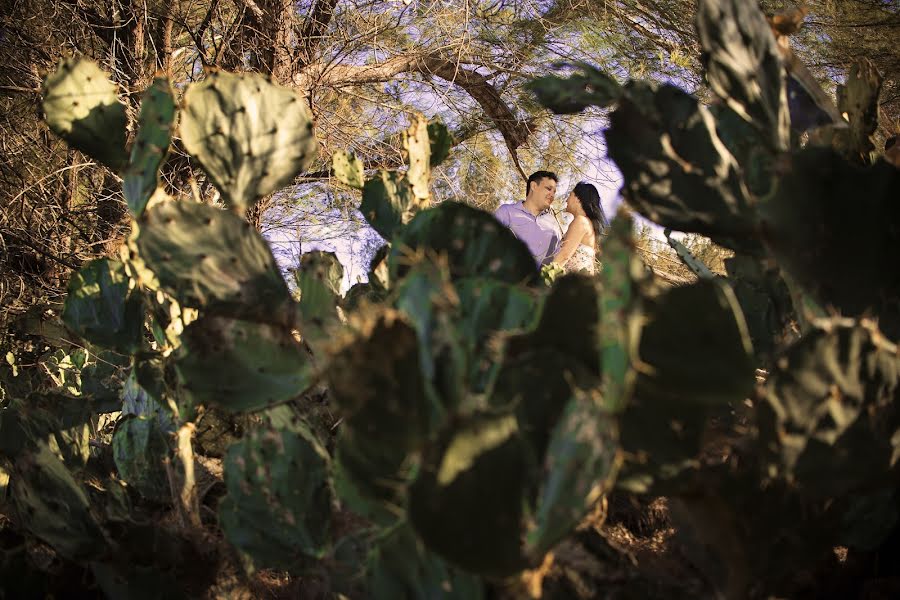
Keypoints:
pixel 515 131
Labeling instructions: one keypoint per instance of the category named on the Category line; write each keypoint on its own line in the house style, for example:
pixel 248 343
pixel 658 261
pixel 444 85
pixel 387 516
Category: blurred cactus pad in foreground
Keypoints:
pixel 189 424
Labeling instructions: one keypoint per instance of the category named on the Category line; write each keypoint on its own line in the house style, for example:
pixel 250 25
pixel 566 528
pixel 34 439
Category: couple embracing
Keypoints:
pixel 533 222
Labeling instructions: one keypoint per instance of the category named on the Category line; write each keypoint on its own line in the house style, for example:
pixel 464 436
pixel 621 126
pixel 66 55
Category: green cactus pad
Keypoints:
pixel 279 502
pixel 252 137
pixel 385 201
pixel 832 398
pixel 386 413
pixel 663 440
pixel 371 476
pixel 385 398
pixel 140 446
pixel 537 384
pixel 441 142
pixel 362 294
pixel 212 259
pixel 588 87
pixel 571 295
pixel 620 305
pixel 399 566
pixel 427 298
pixel 82 108
pixel 696 265
pixel 833 253
pixel 487 309
pixel 695 346
pixel 580 466
pixel 102 309
pixel 319 279
pixel 757 160
pixel 677 171
pixel 418 150
pixel 743 65
pixel 474 476
pixel 149 150
pixel 54 507
pixel 474 243
pixel 467 504
pixel 240 365
pixel 348 169
pixel 858 99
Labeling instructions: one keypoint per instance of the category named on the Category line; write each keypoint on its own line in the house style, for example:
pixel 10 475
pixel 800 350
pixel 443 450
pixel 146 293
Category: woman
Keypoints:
pixel 578 250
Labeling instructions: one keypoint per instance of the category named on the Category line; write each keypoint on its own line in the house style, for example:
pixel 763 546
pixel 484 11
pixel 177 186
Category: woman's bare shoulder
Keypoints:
pixel 582 222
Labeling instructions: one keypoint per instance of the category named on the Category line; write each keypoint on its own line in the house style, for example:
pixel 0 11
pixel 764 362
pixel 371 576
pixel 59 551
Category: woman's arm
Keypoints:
pixel 574 236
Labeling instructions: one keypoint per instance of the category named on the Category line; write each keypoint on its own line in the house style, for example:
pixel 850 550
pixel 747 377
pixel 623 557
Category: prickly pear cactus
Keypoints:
pixel 580 466
pixel 386 411
pixel 440 142
pixel 587 87
pixel 211 259
pixel 744 66
pixel 348 169
pixel 140 446
pixel 319 279
pixel 467 501
pixel 103 308
pixel 154 135
pixel 473 242
pixel 55 506
pixel 399 566
pixel 418 149
pixel 83 108
pixel 386 200
pixel 240 365
pixel 252 137
pixel 279 502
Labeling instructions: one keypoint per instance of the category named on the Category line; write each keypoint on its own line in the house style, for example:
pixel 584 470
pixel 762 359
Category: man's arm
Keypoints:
pixel 502 214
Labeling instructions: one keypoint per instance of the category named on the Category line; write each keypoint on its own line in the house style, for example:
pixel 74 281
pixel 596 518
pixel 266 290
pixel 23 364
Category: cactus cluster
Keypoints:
pixel 479 414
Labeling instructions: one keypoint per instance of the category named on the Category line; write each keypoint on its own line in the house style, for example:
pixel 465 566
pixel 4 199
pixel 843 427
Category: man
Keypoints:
pixel 531 220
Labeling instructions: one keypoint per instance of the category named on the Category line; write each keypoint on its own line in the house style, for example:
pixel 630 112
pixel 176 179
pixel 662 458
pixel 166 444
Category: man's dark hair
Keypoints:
pixel 538 176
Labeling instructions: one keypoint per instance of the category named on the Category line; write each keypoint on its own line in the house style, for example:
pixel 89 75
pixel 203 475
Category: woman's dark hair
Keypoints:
pixel 589 197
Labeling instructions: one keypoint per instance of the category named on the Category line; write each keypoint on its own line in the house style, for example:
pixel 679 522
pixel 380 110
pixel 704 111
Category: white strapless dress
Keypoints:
pixel 583 261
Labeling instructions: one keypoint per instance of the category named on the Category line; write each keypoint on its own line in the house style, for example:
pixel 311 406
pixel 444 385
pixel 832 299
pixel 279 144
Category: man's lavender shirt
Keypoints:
pixel 540 233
